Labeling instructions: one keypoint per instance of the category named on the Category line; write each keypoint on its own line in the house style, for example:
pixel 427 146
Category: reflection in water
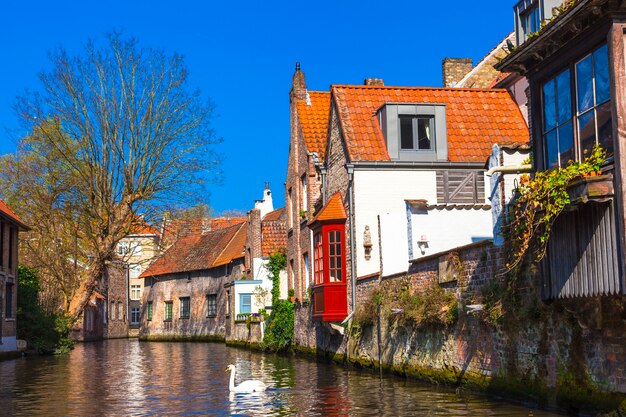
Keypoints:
pixel 126 377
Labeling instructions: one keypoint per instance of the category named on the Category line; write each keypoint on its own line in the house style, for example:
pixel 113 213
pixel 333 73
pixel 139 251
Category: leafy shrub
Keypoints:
pixel 279 333
pixel 43 331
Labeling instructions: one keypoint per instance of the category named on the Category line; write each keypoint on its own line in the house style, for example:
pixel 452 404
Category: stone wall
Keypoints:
pixel 246 332
pixel 566 353
pixel 195 285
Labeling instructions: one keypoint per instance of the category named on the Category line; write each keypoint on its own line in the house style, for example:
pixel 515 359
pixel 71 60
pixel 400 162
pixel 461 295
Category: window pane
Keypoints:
pixel 338 275
pixel 406 133
pixel 332 263
pixel 338 250
pixel 605 127
pixel 549 106
pixel 535 21
pixel 423 134
pixel 566 143
pixel 601 72
pixel 584 84
pixel 564 97
pixel 587 131
pixel 552 150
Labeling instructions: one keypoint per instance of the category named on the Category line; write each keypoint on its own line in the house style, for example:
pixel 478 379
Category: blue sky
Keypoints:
pixel 242 55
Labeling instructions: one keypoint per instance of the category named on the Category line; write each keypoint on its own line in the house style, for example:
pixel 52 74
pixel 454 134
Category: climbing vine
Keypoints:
pixel 279 334
pixel 538 204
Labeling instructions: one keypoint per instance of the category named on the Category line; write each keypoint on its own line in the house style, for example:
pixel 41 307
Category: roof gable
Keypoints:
pixel 333 210
pixel 476 119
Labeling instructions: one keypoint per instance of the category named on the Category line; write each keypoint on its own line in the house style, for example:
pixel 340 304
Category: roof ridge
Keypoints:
pixel 391 87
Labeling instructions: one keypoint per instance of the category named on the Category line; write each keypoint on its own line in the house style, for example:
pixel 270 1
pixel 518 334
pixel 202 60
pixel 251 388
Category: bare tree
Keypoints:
pixel 118 132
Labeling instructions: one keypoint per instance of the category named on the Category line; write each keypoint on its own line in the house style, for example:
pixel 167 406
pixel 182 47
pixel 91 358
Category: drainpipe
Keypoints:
pixel 508 169
pixel 350 169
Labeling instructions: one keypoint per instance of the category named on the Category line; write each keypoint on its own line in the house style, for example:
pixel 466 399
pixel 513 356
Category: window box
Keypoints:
pixel 598 188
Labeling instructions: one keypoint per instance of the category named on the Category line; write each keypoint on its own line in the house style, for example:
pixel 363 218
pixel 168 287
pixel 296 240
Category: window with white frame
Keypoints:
pixel 135 292
pixel 123 248
pixel 306 266
pixel 245 303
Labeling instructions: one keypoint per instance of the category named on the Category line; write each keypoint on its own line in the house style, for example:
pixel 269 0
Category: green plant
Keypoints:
pixel 302 214
pixel 541 200
pixel 276 263
pixel 43 331
pixel 279 333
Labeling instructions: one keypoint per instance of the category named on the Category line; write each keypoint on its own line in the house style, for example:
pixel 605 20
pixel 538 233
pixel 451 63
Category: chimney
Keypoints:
pixel 374 81
pixel 454 69
pixel 298 85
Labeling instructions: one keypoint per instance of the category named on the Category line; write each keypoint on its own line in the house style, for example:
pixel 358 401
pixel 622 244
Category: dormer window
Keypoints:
pixel 415 132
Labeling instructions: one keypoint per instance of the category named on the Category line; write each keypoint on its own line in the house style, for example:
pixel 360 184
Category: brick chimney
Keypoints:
pixel 454 69
pixel 374 81
pixel 298 85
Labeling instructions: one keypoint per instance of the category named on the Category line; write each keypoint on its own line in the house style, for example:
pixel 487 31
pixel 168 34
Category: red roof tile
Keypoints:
pixel 313 115
pixel 6 211
pixel 333 210
pixel 273 232
pixel 476 119
pixel 198 251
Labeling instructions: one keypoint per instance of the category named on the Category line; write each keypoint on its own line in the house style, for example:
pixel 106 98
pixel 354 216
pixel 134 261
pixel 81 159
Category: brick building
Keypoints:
pixel 10 226
pixel 184 293
pixel 407 165
pixel 309 112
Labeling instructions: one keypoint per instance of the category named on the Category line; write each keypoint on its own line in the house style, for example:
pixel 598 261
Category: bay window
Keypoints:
pixel 329 269
pixel 573 125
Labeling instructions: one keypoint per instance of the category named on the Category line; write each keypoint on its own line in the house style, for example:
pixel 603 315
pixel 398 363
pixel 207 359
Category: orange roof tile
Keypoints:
pixel 198 251
pixel 10 214
pixel 476 119
pixel 177 228
pixel 273 232
pixel 274 215
pixel 313 117
pixel 333 210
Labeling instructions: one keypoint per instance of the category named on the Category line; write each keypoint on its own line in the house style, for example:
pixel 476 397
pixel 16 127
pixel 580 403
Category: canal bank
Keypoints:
pixel 567 354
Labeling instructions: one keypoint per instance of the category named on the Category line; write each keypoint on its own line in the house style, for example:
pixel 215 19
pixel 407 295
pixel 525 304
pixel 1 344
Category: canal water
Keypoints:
pixel 130 378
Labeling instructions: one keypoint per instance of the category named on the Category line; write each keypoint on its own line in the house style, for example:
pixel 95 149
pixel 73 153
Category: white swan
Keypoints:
pixel 251 385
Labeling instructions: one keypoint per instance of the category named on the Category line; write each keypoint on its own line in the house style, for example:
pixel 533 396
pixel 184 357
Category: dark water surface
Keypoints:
pixel 127 377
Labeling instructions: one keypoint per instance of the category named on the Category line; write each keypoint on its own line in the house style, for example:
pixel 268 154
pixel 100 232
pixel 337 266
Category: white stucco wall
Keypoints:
pixel 383 193
pixel 444 229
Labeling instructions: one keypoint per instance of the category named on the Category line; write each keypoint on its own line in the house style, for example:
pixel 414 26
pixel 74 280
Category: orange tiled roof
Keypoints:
pixel 10 214
pixel 314 120
pixel 476 119
pixel 198 251
pixel 177 228
pixel 273 232
pixel 333 210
